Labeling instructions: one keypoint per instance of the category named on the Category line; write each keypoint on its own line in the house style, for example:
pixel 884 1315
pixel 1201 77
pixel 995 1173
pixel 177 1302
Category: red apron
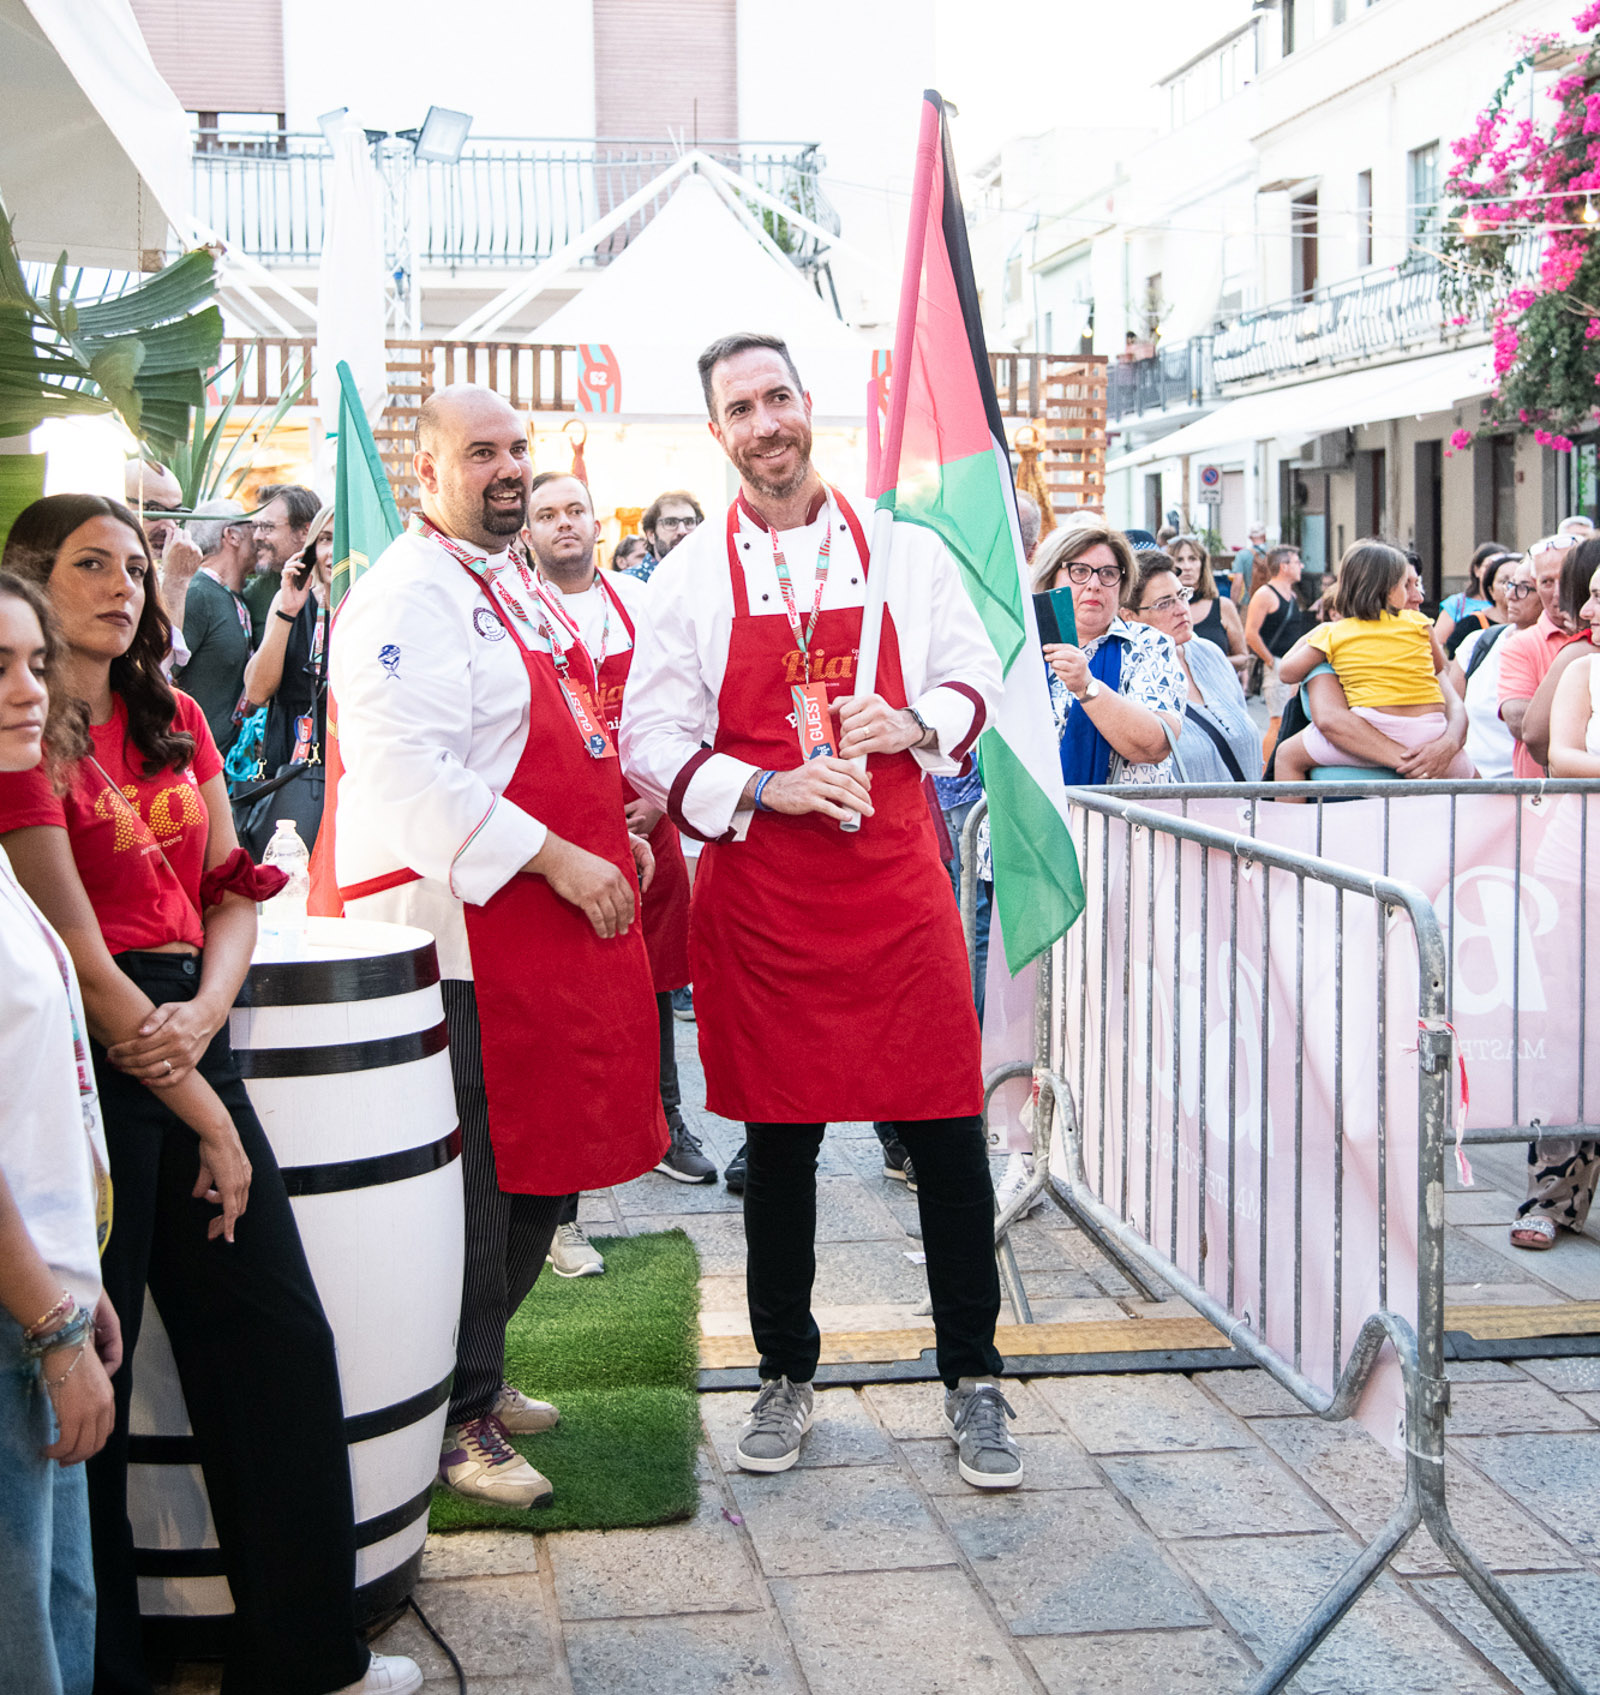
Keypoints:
pixel 571 1041
pixel 830 972
pixel 665 911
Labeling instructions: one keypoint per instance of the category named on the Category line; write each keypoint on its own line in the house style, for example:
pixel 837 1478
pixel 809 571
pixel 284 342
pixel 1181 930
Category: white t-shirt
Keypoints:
pixel 45 1131
pixel 1489 742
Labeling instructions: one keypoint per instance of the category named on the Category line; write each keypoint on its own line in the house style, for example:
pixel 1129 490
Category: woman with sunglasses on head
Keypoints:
pixel 135 864
pixel 1118 693
pixel 1220 742
pixel 1211 614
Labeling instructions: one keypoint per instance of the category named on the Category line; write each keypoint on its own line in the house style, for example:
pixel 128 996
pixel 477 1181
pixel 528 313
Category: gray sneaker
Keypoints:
pixel 685 1161
pixel 975 1414
pixel 770 1439
pixel 572 1254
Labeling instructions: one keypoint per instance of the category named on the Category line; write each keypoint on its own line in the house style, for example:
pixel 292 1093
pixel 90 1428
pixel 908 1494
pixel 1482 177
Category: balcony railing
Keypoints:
pixel 505 202
pixel 1394 310
pixel 1175 379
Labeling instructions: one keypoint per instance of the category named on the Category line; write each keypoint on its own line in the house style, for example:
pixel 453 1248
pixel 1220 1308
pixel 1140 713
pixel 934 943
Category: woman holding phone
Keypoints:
pixel 135 864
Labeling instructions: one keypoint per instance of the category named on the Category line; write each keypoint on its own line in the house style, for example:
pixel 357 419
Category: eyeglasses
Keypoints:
pixel 1109 575
pixel 676 523
pixel 1170 602
pixel 1519 591
pixel 1553 544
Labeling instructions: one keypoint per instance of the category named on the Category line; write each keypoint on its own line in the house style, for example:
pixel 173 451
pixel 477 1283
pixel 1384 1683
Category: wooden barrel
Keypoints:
pixel 343 1052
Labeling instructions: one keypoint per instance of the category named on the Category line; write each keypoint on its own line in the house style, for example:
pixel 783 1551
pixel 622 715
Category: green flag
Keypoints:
pixel 365 517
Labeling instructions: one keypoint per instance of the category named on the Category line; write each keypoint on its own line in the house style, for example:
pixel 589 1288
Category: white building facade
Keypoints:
pixel 1262 273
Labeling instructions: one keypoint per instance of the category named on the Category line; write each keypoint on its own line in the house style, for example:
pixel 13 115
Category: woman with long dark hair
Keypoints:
pixel 136 865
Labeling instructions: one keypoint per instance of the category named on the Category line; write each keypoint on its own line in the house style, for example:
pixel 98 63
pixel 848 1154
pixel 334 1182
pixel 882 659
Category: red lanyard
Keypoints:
pixel 802 638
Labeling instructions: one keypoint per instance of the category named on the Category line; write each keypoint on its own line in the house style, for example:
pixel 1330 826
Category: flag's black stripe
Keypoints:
pixel 953 221
pixel 321 982
pixel 338 1176
pixel 339 1057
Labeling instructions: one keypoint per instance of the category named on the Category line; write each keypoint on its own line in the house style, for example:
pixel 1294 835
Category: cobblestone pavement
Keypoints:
pixel 1172 1532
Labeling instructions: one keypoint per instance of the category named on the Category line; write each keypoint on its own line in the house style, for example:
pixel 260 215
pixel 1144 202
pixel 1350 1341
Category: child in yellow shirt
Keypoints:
pixel 1387 659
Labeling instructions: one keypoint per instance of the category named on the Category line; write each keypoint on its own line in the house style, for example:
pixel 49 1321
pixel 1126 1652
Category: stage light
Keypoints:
pixel 443 135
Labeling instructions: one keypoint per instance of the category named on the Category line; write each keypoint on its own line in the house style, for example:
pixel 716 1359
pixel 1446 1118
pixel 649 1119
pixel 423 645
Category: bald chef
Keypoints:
pixel 830 975
pixel 482 800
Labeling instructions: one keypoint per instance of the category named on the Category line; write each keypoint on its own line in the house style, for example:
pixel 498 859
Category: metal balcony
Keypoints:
pixel 507 202
pixel 1175 379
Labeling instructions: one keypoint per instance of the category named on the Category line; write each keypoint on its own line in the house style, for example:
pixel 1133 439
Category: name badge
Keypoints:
pixel 812 722
pixel 586 715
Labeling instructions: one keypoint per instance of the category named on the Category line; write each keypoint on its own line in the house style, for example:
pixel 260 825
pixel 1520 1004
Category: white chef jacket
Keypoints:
pixel 670 711
pixel 603 630
pixel 432 705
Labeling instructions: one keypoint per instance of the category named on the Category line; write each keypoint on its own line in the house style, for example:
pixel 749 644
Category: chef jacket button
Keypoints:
pixel 854 581
pixel 766 597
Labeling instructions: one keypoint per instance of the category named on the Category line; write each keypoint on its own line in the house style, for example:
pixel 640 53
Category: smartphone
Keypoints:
pixel 1054 615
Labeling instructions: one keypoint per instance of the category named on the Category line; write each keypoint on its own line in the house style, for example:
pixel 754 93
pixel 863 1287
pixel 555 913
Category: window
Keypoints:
pixel 1288 21
pixel 1303 245
pixel 1338 12
pixel 1363 219
pixel 1049 332
pixel 1422 195
pixel 1013 279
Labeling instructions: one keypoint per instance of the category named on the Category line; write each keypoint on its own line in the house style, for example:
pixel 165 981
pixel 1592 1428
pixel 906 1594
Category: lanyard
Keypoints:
pixel 802 639
pixel 238 605
pixel 553 598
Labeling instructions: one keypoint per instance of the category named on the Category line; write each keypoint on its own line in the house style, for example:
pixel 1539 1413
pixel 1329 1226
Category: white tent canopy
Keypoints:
pixel 698 271
pixel 94 148
pixel 1411 388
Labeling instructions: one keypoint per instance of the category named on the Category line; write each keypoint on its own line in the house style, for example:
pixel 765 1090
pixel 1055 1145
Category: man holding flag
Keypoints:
pixel 830 973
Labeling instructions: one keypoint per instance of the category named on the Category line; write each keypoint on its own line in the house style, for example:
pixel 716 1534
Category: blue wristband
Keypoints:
pixel 761 784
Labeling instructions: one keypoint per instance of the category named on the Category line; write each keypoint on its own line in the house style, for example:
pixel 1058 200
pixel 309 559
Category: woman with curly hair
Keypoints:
pixel 135 863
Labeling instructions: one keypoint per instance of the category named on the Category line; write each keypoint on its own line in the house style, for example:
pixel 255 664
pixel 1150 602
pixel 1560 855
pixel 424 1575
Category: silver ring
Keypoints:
pixel 169 1067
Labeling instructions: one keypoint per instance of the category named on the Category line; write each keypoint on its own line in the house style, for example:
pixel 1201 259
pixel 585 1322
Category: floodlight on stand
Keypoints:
pixel 443 135
pixel 330 123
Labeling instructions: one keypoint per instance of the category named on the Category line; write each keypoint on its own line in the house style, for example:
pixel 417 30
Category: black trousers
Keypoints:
pixel 508 1236
pixel 256 1360
pixel 955 1202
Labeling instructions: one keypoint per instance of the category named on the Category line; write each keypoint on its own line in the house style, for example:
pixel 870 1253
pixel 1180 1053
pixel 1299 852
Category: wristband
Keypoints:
pixel 761 784
pixel 77 1329
pixel 287 617
pixel 61 1309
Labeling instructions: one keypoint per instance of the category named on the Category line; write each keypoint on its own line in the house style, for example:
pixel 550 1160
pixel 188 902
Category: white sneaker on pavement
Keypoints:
pixel 572 1254
pixel 1018 1175
pixel 477 1461
pixel 521 1414
pixel 387 1674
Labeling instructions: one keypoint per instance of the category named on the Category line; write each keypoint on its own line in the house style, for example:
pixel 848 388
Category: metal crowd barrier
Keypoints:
pixel 1346 1180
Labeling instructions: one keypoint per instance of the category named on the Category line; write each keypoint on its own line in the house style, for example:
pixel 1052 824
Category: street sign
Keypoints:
pixel 1210 485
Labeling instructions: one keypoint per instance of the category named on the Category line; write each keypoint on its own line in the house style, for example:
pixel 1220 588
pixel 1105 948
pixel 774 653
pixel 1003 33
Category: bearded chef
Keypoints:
pixel 830 973
pixel 607 609
pixel 482 800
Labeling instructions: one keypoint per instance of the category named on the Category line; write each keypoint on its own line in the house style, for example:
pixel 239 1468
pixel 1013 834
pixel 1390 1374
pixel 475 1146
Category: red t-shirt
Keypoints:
pixel 141 854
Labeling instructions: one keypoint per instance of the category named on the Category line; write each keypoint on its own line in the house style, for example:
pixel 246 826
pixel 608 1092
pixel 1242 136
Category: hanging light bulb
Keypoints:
pixel 1590 213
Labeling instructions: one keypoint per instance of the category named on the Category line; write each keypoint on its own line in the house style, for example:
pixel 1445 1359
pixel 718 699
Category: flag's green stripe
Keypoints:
pixel 365 518
pixel 966 507
pixel 1037 889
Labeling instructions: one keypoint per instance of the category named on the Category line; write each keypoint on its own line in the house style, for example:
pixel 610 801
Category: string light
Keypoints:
pixel 1589 213
pixel 1470 225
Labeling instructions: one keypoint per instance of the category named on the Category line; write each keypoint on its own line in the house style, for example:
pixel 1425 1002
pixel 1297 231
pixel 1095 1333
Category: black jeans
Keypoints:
pixel 256 1360
pixel 955 1201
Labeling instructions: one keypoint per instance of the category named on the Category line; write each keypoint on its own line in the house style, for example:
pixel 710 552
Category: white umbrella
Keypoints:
pixel 352 284
pixel 95 151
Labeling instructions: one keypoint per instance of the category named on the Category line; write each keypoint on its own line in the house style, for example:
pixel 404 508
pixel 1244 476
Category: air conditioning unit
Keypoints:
pixel 1334 452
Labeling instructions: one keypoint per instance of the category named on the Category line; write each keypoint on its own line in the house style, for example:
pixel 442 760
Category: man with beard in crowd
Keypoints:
pixel 667 520
pixel 482 801
pixel 829 966
pixel 282 523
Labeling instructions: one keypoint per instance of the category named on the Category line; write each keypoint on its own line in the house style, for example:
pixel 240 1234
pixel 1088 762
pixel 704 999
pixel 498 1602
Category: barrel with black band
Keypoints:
pixel 343 1052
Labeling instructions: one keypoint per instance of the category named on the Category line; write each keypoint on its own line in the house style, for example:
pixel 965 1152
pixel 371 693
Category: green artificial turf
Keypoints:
pixel 618 1355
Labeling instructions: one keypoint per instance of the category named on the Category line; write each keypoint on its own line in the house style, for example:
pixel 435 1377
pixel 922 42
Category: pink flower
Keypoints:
pixel 1560 444
pixel 1463 438
pixel 1591 330
pixel 1587 19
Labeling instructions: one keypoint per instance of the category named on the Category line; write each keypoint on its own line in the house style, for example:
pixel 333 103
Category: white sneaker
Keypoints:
pixel 1018 1175
pixel 521 1414
pixel 387 1674
pixel 572 1254
pixel 478 1462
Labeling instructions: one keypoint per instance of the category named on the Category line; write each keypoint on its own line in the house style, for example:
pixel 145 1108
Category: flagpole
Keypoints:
pixel 879 545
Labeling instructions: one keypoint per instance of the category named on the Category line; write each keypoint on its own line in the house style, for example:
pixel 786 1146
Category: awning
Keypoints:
pixel 95 150
pixel 1410 388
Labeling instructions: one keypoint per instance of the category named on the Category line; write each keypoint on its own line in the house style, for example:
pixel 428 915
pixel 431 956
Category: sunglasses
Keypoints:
pixel 1553 544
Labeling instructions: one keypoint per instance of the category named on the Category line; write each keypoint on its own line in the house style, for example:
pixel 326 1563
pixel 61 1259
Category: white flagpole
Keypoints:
pixel 879 547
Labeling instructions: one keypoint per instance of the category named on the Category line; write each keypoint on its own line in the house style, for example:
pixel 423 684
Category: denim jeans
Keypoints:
pixel 955 819
pixel 46 1574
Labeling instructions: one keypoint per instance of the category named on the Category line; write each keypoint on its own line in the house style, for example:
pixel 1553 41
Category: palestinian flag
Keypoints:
pixel 365 521
pixel 945 463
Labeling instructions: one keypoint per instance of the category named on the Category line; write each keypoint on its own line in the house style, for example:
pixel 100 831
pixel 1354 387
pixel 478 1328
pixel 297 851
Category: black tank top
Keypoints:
pixel 1280 629
pixel 1211 627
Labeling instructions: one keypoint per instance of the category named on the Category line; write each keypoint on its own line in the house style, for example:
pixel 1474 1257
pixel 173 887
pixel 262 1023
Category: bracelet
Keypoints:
pixel 761 784
pixel 62 1307
pixel 287 617
pixel 78 1328
pixel 56 1382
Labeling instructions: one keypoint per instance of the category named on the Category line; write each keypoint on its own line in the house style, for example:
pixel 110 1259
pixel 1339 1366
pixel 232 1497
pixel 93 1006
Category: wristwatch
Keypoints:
pixel 1091 689
pixel 922 725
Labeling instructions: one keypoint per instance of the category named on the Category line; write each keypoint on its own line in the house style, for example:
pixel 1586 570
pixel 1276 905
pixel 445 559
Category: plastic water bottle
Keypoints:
pixel 284 916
